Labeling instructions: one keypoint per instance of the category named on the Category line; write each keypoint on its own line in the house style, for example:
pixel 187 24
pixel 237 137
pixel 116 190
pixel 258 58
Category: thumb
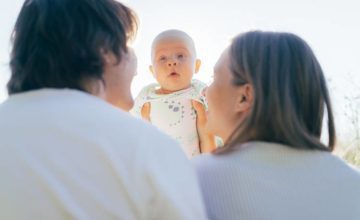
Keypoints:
pixel 200 112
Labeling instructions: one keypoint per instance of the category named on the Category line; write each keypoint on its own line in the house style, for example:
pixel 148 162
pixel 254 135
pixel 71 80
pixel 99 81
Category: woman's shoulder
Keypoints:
pixel 277 158
pixel 210 162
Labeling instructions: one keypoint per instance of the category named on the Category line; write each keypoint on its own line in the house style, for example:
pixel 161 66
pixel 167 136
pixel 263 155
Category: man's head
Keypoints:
pixel 174 61
pixel 66 43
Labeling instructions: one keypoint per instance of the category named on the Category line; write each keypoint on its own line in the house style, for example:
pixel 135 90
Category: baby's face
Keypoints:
pixel 173 64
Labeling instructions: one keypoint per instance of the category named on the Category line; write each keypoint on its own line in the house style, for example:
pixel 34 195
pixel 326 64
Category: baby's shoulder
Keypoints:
pixel 149 89
pixel 142 98
pixel 198 85
pixel 197 91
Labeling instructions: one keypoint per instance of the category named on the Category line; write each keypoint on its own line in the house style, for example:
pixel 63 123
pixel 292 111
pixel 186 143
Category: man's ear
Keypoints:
pixel 108 57
pixel 197 65
pixel 245 98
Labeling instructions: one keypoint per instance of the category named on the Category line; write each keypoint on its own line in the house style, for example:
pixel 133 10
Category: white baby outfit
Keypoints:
pixel 173 113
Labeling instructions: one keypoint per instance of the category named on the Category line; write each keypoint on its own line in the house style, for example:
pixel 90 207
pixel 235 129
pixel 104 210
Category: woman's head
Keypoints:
pixel 62 43
pixel 269 87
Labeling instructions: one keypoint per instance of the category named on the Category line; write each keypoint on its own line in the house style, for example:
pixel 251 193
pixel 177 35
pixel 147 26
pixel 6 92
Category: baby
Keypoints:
pixel 174 103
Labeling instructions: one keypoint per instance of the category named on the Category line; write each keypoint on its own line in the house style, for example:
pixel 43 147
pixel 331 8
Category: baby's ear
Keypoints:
pixel 151 69
pixel 197 65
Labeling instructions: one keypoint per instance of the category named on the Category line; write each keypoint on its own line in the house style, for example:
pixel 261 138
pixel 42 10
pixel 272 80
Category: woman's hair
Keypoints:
pixel 290 92
pixel 60 43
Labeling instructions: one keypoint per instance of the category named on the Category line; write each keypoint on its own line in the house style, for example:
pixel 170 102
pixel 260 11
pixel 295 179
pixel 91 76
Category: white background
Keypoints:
pixel 332 28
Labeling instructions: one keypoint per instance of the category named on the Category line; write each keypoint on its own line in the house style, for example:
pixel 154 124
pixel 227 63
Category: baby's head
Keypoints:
pixel 174 60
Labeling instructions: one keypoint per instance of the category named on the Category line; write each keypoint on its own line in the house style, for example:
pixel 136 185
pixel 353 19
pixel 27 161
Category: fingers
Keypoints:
pixel 145 111
pixel 207 141
pixel 197 105
pixel 200 112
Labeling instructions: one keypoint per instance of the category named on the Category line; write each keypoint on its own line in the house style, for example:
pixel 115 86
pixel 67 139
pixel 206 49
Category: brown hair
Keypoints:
pixel 60 43
pixel 290 92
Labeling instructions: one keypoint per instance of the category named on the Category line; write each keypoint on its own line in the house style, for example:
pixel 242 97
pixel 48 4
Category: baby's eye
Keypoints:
pixel 180 56
pixel 162 58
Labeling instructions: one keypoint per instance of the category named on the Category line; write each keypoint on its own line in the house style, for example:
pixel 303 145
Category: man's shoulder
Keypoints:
pixel 138 132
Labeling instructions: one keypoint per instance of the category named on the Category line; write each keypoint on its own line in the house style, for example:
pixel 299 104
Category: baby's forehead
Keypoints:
pixel 170 43
pixel 173 43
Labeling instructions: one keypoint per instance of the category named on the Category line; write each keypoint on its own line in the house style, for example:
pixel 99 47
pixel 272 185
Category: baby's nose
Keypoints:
pixel 172 63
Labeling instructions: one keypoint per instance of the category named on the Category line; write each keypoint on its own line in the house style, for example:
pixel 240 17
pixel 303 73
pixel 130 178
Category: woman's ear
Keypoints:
pixel 245 98
pixel 197 65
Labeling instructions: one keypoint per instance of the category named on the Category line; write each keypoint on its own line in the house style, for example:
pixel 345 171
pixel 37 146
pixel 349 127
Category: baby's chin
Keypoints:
pixel 174 88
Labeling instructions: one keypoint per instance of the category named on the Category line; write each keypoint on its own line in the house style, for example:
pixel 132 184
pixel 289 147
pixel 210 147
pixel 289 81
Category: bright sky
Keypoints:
pixel 330 27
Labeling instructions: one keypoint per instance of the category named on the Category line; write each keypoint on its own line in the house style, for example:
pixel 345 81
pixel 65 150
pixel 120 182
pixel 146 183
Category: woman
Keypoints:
pixel 267 102
pixel 65 153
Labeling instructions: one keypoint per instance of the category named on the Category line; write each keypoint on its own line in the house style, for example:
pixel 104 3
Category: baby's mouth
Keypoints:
pixel 174 74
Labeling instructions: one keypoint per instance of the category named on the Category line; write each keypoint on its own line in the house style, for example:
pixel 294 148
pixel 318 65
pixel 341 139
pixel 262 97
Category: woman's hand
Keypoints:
pixel 207 140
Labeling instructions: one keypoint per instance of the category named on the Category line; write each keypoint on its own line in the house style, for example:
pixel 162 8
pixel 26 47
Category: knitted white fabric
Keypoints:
pixel 261 181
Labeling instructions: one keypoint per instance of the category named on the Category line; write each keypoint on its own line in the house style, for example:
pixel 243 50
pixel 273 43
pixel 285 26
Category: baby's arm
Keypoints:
pixel 207 141
pixel 145 111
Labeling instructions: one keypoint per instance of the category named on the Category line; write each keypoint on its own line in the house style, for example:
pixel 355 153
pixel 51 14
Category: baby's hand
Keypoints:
pixel 145 111
pixel 207 141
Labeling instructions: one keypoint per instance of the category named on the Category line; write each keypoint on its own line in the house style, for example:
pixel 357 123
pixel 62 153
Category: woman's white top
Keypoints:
pixel 65 154
pixel 259 181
